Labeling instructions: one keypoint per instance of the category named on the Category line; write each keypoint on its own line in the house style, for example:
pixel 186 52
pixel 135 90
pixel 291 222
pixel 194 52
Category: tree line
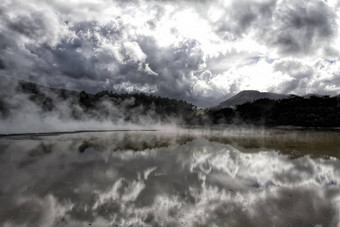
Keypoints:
pixel 315 111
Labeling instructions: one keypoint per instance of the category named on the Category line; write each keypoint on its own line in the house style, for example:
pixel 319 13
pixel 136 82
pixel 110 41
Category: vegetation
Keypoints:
pixel 294 111
pixel 113 106
pixel 315 111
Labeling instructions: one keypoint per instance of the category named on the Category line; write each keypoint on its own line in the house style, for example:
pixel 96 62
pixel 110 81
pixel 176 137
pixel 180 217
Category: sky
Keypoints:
pixel 199 51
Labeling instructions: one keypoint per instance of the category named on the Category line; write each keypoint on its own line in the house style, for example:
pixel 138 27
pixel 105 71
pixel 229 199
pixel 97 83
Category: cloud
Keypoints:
pixel 242 16
pixel 317 77
pixel 2 64
pixel 303 27
pixel 162 47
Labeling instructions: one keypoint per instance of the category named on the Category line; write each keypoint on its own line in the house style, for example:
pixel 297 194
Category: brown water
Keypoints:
pixel 230 177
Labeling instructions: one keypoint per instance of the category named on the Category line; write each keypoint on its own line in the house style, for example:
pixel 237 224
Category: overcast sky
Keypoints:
pixel 200 51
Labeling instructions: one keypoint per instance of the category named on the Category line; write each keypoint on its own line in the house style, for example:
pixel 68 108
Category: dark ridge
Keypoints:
pixel 131 105
pixel 249 96
pixel 276 110
pixel 37 134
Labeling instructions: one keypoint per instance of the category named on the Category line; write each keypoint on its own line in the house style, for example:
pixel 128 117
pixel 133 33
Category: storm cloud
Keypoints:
pixel 199 51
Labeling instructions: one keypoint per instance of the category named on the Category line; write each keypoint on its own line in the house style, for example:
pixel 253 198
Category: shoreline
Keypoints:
pixel 74 132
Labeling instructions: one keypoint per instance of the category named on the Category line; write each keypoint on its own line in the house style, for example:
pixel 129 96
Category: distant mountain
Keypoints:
pixel 249 96
pixel 308 96
pixel 251 107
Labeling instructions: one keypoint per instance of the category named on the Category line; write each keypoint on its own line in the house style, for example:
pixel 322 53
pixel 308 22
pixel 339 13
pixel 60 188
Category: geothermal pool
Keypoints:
pixel 187 177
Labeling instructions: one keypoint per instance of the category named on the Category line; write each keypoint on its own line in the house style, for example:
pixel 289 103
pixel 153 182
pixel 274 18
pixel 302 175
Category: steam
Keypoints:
pixel 19 114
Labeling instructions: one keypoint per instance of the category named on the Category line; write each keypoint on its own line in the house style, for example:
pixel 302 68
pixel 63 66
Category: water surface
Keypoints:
pixel 231 177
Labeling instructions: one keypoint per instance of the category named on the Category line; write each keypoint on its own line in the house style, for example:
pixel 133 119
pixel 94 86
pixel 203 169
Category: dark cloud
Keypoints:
pixel 293 27
pixel 32 26
pixel 2 64
pixel 244 16
pixel 303 27
pixel 174 66
pixel 79 46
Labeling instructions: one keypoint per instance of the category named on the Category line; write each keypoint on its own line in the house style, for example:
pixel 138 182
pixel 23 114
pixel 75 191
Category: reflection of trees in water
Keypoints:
pixel 129 141
pixel 161 180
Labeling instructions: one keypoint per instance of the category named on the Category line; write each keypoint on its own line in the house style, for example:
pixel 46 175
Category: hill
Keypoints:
pixel 103 106
pixel 249 96
pixel 316 111
pixel 29 102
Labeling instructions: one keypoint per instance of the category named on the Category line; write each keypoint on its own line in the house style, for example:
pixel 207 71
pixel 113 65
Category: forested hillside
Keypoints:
pixel 313 111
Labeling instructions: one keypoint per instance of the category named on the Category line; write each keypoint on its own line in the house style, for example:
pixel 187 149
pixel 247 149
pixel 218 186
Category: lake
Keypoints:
pixel 180 177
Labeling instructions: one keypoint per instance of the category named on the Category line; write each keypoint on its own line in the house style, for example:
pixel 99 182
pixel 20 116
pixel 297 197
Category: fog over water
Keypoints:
pixel 173 178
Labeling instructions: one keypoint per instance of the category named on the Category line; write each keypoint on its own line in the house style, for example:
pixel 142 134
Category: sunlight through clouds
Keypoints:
pixel 173 42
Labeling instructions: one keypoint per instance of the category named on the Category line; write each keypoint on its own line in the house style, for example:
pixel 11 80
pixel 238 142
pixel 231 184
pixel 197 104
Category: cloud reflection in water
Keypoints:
pixel 107 180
